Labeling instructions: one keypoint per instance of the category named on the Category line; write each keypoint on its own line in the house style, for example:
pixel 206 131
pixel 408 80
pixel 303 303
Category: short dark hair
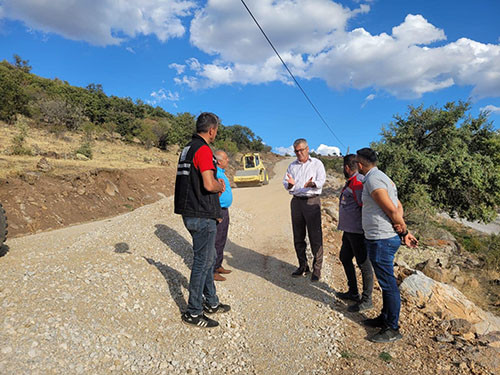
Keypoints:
pixel 350 160
pixel 206 121
pixel 367 154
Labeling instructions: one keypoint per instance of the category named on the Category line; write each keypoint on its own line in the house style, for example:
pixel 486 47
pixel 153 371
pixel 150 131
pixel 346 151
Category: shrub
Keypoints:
pixel 85 149
pixel 19 140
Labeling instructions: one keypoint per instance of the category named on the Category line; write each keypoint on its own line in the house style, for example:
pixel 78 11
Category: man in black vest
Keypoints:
pixel 197 200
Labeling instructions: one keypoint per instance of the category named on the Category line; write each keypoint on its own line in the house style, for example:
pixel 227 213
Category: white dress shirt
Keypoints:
pixel 301 173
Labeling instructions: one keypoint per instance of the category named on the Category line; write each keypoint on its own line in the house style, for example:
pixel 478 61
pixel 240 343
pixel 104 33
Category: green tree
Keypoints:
pixel 22 64
pixel 13 99
pixel 182 129
pixel 444 158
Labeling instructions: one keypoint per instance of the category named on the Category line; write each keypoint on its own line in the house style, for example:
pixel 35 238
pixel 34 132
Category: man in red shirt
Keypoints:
pixel 197 200
pixel 353 239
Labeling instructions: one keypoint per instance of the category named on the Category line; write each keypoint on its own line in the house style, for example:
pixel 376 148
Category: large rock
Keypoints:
pixel 448 302
pixel 44 165
pixel 111 189
pixel 79 156
pixel 422 254
pixel 331 209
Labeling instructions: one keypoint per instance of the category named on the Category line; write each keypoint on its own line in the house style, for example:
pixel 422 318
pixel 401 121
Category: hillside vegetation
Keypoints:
pixel 60 107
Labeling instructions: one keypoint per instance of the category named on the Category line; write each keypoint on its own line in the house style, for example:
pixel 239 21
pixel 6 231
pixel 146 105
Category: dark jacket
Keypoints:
pixel 191 198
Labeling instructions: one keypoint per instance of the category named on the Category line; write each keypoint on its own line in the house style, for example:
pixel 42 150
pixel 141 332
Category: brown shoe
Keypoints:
pixel 219 277
pixel 222 270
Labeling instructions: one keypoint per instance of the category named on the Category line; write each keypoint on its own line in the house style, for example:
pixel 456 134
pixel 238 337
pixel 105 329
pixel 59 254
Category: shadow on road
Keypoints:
pixel 175 242
pixel 122 248
pixel 175 281
pixel 4 249
pixel 267 267
pixel 278 272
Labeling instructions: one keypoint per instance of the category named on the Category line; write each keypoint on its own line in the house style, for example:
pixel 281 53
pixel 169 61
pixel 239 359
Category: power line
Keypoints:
pixel 291 74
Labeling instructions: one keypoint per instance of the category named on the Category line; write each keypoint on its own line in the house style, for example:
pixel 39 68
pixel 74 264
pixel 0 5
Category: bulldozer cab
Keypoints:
pixel 251 161
pixel 254 172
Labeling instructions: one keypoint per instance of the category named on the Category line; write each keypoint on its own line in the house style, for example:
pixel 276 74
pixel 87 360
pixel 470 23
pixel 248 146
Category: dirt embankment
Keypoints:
pixel 36 201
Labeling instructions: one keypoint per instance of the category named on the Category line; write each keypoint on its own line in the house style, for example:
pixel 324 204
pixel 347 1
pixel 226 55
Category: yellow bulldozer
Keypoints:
pixel 254 172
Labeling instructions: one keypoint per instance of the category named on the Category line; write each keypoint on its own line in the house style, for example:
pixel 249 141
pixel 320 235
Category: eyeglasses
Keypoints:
pixel 300 150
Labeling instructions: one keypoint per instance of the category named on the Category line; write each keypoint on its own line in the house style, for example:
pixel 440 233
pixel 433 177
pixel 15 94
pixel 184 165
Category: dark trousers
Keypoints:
pixel 306 215
pixel 221 237
pixel 353 245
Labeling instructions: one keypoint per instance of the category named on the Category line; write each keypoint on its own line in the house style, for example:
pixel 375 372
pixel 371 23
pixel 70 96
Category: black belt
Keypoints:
pixel 306 197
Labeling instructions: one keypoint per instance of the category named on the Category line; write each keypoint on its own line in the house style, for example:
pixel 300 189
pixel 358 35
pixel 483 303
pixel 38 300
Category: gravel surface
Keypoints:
pixel 106 297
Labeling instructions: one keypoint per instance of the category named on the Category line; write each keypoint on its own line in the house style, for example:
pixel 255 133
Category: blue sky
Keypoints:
pixel 360 61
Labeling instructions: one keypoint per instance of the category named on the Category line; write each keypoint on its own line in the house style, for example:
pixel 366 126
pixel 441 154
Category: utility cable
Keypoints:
pixel 291 74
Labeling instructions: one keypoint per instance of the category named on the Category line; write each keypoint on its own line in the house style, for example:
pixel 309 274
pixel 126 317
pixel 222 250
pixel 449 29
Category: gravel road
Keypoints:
pixel 106 297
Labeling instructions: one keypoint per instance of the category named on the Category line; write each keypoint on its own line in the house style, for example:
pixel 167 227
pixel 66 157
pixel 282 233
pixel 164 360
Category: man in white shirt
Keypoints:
pixel 304 180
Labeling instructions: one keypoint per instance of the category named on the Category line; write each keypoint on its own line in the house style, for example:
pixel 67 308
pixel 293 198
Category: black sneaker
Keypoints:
pixel 199 321
pixel 377 322
pixel 360 306
pixel 301 271
pixel 387 335
pixel 314 278
pixel 220 308
pixel 348 296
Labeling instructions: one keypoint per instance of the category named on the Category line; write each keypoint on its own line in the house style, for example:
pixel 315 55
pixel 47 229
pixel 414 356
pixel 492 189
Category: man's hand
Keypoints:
pixel 399 228
pixel 223 184
pixel 221 181
pixel 310 183
pixel 410 240
pixel 290 180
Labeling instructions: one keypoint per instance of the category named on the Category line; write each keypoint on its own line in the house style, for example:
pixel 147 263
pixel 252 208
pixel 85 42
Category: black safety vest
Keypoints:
pixel 191 198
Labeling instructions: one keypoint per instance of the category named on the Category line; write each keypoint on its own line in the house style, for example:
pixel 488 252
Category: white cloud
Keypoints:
pixel 101 22
pixel 225 28
pixel 490 108
pixel 312 37
pixel 416 30
pixel 369 98
pixel 297 28
pixel 130 49
pixel 321 150
pixel 164 95
pixel 179 68
pixel 284 150
pixel 327 150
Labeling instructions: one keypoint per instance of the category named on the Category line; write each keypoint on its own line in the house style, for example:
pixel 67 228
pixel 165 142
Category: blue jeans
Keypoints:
pixel 201 282
pixel 381 254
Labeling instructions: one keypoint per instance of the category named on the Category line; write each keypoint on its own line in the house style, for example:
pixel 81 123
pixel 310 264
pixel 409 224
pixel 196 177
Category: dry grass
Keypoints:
pixel 113 154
